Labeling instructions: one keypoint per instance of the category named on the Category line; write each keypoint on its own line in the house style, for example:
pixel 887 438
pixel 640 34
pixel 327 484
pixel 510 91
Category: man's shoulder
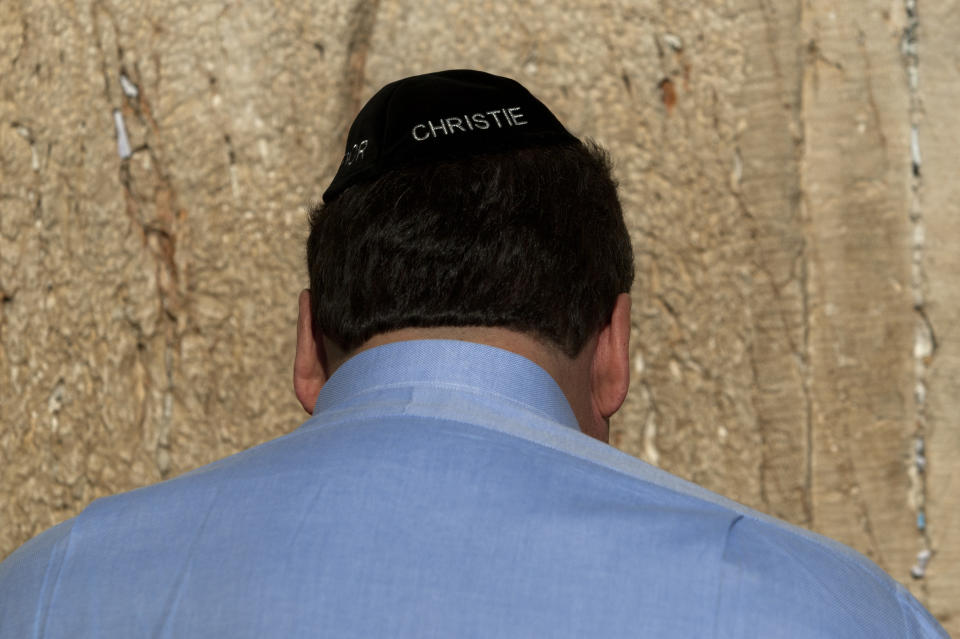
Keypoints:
pixel 27 579
pixel 770 571
pixel 775 575
pixel 347 481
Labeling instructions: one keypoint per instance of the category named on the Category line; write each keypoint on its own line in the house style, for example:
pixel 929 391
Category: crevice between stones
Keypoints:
pixel 925 341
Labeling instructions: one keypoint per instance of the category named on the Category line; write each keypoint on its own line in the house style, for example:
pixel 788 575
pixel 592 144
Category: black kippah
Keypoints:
pixel 443 116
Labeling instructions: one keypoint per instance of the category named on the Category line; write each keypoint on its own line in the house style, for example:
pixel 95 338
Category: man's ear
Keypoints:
pixel 610 370
pixel 310 369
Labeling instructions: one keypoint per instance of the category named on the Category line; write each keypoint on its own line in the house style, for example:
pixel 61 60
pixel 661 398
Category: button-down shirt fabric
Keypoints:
pixel 441 489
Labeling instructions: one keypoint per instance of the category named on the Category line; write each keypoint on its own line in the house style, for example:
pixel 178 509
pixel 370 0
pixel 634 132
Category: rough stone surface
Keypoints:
pixel 795 301
pixel 856 105
pixel 148 300
pixel 937 207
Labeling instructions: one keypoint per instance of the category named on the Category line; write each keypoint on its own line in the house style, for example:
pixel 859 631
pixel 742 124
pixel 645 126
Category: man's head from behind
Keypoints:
pixel 463 202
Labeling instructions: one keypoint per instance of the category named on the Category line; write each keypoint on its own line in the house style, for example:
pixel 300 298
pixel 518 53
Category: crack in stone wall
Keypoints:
pixel 768 194
pixel 153 209
pixel 803 353
pixel 925 340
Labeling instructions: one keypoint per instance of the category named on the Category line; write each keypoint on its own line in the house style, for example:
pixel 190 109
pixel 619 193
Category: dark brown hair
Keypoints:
pixel 532 240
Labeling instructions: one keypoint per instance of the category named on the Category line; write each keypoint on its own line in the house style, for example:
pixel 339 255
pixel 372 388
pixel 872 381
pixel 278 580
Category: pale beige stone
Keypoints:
pixel 938 203
pixel 856 170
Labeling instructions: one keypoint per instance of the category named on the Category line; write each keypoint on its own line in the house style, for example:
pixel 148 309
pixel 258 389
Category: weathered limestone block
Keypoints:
pixel 936 210
pixel 149 282
pixel 856 105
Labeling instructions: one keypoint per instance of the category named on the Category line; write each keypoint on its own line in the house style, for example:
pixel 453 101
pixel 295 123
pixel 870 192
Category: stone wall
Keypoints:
pixel 788 168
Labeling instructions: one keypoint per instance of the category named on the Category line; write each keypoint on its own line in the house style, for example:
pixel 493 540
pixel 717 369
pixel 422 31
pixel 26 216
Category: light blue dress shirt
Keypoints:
pixel 442 489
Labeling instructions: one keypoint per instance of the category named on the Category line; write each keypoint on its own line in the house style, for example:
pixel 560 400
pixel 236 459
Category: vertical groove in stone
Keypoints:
pixel 805 283
pixel 924 342
pixel 770 142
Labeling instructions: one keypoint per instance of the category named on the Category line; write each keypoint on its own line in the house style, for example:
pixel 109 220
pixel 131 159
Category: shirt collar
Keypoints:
pixel 479 368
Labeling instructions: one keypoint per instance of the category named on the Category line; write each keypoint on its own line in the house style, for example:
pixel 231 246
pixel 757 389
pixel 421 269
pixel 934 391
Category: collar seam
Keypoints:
pixel 470 389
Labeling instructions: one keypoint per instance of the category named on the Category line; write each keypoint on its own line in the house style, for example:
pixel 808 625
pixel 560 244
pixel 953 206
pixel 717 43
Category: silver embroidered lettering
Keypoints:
pixel 417 137
pixel 516 116
pixel 355 152
pixel 495 118
pixel 503 117
pixel 434 129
